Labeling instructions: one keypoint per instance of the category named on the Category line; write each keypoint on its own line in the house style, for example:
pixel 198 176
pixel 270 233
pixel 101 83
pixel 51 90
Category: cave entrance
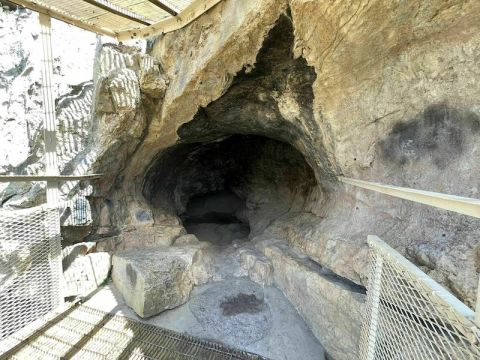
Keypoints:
pixel 229 189
pixel 217 217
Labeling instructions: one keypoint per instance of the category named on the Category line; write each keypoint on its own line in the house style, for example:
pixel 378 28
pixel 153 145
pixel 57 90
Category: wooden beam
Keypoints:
pixel 458 204
pixel 185 17
pixel 164 7
pixel 57 178
pixel 119 11
pixel 64 17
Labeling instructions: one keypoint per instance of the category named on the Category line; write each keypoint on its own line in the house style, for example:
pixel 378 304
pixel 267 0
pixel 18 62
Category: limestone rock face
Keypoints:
pixel 259 267
pixel 358 95
pixel 152 81
pixel 331 306
pixel 154 281
pixel 21 100
pixel 122 85
pixel 151 236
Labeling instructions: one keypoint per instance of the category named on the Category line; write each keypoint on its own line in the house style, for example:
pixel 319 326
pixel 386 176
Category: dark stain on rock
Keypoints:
pixel 242 304
pixel 439 134
pixel 132 275
pixel 143 215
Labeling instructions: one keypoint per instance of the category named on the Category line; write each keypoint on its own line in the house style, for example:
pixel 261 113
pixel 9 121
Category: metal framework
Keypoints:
pixel 120 11
pixel 81 332
pixel 411 317
pixel 165 7
pixel 123 19
pixel 459 204
pixel 50 139
pixel 55 178
pixel 30 266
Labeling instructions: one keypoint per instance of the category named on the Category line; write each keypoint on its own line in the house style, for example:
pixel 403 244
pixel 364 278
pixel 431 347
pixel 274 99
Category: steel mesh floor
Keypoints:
pixel 82 332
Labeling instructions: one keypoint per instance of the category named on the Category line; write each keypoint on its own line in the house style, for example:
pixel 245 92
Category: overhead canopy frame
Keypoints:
pixel 122 19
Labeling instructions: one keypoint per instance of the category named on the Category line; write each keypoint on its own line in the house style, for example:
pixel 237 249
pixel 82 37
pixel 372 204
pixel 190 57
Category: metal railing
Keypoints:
pixel 30 266
pixel 410 316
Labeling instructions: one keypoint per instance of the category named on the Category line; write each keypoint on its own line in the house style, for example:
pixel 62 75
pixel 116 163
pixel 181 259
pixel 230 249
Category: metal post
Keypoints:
pixel 51 167
pixel 376 287
pixel 477 309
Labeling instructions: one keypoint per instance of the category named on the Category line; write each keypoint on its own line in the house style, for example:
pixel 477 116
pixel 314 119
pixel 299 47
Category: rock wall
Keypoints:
pixel 396 90
pixel 375 90
pixel 21 105
pixel 389 104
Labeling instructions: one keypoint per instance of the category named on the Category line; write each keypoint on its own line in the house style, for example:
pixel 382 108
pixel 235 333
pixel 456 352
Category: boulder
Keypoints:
pixel 70 253
pixel 156 280
pixel 152 81
pixel 84 273
pixel 259 267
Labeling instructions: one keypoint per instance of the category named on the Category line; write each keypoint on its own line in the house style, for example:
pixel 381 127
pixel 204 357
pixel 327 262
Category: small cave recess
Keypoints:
pixel 229 189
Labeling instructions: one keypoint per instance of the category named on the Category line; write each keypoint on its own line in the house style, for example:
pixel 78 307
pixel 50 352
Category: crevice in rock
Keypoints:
pixel 274 99
pixel 334 277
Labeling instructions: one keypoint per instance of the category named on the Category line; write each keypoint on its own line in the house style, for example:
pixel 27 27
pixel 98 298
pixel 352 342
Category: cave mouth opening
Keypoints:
pixel 229 189
pixel 217 217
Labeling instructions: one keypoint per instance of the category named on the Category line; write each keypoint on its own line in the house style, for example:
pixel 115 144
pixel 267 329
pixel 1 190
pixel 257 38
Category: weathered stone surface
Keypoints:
pixel 152 81
pixel 122 86
pixel 74 234
pixel 191 241
pixel 109 244
pixel 259 267
pixel 330 305
pixel 188 239
pixel 154 281
pixel 70 253
pixel 85 273
pixel 21 101
pixel 151 236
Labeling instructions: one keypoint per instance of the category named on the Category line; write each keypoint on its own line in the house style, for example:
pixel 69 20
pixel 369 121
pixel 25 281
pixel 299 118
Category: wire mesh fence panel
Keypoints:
pixel 30 266
pixel 81 332
pixel 410 316
pixel 76 211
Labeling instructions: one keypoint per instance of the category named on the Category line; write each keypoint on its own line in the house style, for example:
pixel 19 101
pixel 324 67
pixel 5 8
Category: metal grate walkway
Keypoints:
pixel 82 332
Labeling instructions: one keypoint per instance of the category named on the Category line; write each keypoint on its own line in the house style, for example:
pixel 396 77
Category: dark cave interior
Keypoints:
pixel 228 189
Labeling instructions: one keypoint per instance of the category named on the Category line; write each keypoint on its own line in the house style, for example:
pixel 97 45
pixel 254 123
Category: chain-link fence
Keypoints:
pixel 410 316
pixel 30 266
pixel 76 211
